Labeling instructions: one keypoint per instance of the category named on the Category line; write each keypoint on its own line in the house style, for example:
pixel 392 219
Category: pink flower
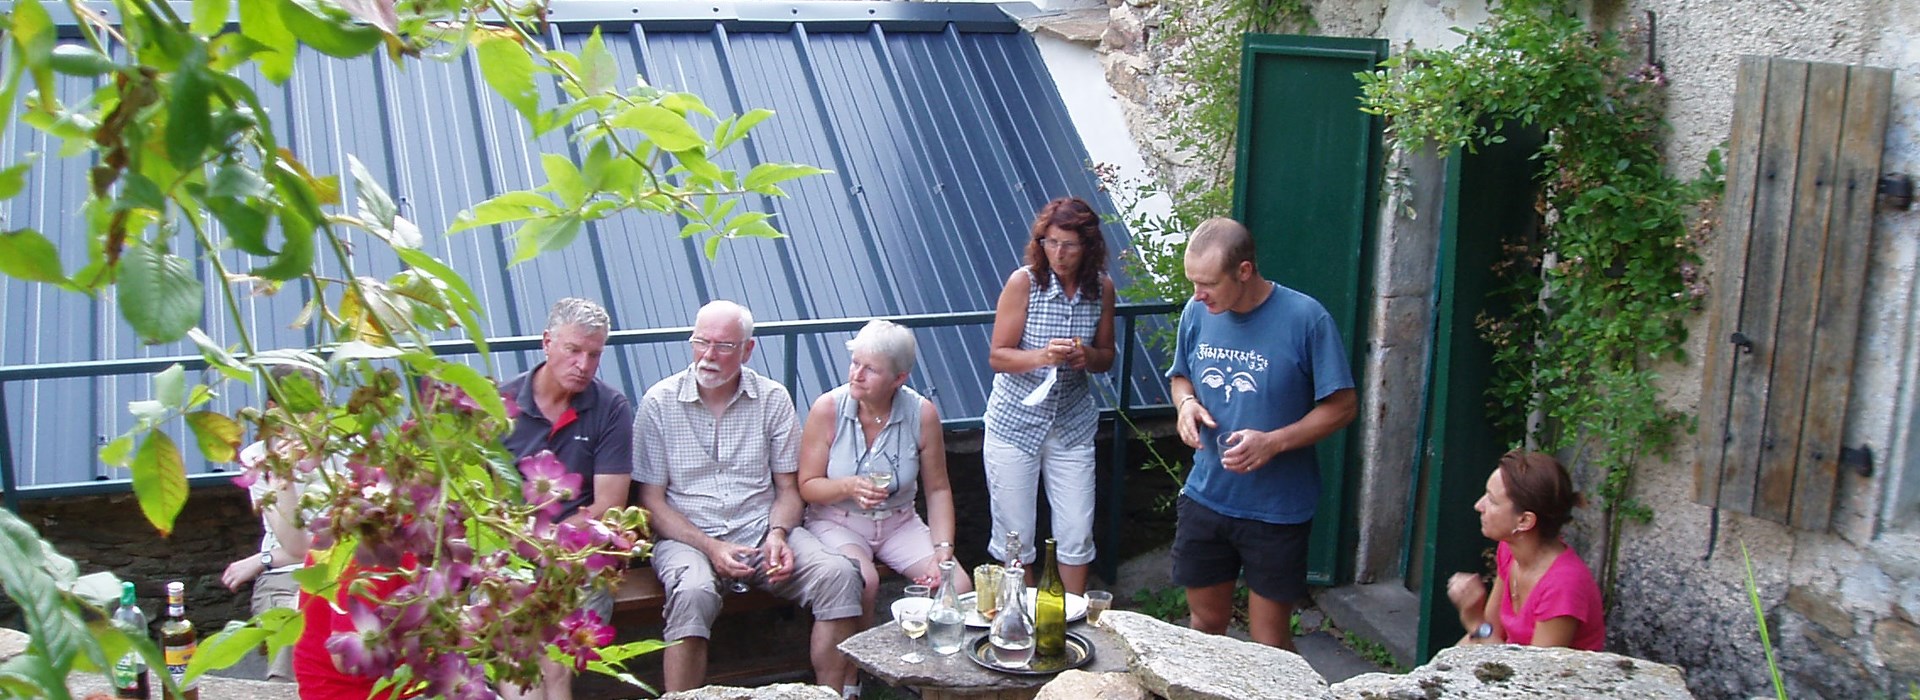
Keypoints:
pixel 582 634
pixel 548 482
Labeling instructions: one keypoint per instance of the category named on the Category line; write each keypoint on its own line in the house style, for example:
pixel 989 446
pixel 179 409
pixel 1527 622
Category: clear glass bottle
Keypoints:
pixel 1013 555
pixel 946 621
pixel 178 640
pixel 1050 610
pixel 130 671
pixel 1012 631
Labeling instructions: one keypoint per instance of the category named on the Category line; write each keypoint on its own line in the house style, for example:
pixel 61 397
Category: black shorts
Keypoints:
pixel 1210 549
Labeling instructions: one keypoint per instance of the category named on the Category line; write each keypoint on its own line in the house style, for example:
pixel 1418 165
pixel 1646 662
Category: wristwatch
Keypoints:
pixel 1484 631
pixel 266 559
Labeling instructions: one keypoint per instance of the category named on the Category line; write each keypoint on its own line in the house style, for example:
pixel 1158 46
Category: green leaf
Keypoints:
pixel 518 205
pixel 217 435
pixel 170 386
pixel 224 649
pixel 160 480
pixel 158 294
pixel 118 452
pixel 508 68
pixel 564 180
pixel 766 174
pixel 188 130
pixel 148 411
pixel 299 394
pixel 27 255
pixel 79 60
pixel 666 129
pixel 599 72
pixel 209 17
pixel 737 128
pixel 544 235
pixel 217 357
pixel 260 21
pixel 14 178
pixel 373 198
pixel 338 37
pixel 33 34
pixel 459 295
pixel 238 180
pixel 246 224
pixel 297 222
pixel 696 163
pixel 713 247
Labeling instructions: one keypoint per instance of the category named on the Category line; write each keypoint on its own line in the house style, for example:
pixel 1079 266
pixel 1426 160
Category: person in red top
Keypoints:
pixel 320 673
pixel 1543 593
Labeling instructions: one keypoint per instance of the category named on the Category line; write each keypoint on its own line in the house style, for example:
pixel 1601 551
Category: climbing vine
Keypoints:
pixel 1204 39
pixel 1599 296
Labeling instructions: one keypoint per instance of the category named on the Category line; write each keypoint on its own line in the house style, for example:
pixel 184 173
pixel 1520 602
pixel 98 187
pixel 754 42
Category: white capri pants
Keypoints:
pixel 1013 480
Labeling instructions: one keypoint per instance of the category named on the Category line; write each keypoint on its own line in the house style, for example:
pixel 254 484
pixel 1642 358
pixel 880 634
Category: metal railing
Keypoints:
pixel 1126 317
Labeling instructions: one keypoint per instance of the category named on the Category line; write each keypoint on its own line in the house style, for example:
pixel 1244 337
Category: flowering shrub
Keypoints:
pixel 427 524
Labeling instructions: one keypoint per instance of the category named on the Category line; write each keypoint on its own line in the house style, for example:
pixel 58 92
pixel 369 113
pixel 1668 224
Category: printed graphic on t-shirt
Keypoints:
pixel 1234 372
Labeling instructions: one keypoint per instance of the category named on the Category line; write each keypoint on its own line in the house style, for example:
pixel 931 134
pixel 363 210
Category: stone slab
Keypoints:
pixel 86 685
pixel 1385 612
pixel 1508 672
pixel 877 651
pixel 1182 664
pixel 778 691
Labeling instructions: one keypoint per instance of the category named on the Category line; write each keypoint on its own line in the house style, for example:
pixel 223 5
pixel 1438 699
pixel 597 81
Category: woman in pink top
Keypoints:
pixel 1543 594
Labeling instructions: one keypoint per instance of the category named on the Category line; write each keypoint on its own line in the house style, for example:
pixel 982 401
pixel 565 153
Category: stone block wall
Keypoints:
pixel 108 533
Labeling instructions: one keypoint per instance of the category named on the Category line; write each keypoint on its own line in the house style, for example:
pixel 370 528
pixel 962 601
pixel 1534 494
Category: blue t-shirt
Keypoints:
pixel 1261 370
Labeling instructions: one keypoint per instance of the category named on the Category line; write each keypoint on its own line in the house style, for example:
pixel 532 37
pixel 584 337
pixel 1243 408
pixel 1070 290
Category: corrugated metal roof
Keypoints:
pixel 940 123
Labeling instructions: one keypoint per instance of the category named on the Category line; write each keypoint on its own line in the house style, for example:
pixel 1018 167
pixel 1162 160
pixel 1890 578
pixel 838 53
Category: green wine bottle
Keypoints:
pixel 1050 610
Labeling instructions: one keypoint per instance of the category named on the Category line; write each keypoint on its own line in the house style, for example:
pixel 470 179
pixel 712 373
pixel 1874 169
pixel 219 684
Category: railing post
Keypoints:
pixel 12 496
pixel 793 368
pixel 1117 461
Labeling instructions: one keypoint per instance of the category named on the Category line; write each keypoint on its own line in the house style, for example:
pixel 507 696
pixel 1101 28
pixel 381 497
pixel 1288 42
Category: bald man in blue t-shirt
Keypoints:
pixel 1259 377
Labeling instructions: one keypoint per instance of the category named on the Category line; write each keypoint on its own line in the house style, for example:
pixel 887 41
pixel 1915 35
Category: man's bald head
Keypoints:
pixel 1223 241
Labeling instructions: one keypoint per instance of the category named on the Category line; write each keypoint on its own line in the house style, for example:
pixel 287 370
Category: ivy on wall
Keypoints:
pixel 1204 38
pixel 1601 294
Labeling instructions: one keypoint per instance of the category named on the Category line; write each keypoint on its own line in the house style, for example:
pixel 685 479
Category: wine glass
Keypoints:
pixel 1097 602
pixel 751 558
pixel 911 612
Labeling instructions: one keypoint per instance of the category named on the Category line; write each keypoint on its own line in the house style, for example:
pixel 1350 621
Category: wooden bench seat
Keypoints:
pixel 639 598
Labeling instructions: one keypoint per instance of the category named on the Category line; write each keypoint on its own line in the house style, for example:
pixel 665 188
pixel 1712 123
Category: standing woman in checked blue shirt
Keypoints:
pixel 1053 326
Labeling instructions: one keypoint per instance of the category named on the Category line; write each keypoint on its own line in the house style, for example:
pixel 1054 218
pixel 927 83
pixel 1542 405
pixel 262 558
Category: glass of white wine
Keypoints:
pixel 913 620
pixel 1097 602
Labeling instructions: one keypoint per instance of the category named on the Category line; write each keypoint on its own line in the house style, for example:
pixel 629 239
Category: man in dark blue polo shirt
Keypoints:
pixel 586 423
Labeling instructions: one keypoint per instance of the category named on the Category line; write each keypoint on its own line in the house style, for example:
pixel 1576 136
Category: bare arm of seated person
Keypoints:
pixel 816 444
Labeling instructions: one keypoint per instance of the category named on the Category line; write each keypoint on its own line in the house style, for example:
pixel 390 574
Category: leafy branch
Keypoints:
pixel 1601 295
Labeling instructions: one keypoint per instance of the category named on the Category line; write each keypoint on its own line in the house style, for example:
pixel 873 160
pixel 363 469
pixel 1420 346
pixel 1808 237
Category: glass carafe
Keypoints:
pixel 1011 633
pixel 946 621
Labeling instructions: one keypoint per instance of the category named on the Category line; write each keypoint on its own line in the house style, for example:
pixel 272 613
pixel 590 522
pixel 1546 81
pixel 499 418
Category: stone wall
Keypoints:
pixel 108 533
pixel 1842 604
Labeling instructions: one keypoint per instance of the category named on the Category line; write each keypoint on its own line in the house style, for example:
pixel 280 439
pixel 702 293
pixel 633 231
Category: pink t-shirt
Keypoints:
pixel 1566 590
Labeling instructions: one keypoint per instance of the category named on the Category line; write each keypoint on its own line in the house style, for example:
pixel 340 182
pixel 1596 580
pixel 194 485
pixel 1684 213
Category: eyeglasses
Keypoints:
pixel 1052 244
pixel 701 345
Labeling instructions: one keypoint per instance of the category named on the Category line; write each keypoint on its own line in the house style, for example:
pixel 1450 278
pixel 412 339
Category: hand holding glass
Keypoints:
pixel 752 558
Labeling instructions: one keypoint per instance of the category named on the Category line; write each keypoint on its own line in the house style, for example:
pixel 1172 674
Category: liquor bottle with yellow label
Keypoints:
pixel 178 641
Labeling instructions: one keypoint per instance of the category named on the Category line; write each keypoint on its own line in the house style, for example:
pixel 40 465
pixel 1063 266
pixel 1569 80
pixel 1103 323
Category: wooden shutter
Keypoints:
pixel 1797 227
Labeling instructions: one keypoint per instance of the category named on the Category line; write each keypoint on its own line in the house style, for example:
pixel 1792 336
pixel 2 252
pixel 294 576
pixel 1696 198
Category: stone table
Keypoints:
pixel 877 651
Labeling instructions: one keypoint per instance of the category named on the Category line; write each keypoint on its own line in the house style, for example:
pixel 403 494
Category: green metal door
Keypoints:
pixel 1489 200
pixel 1306 183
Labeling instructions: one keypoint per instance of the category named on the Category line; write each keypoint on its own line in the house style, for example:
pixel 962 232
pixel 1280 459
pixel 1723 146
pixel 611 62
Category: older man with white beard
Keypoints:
pixel 715 454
